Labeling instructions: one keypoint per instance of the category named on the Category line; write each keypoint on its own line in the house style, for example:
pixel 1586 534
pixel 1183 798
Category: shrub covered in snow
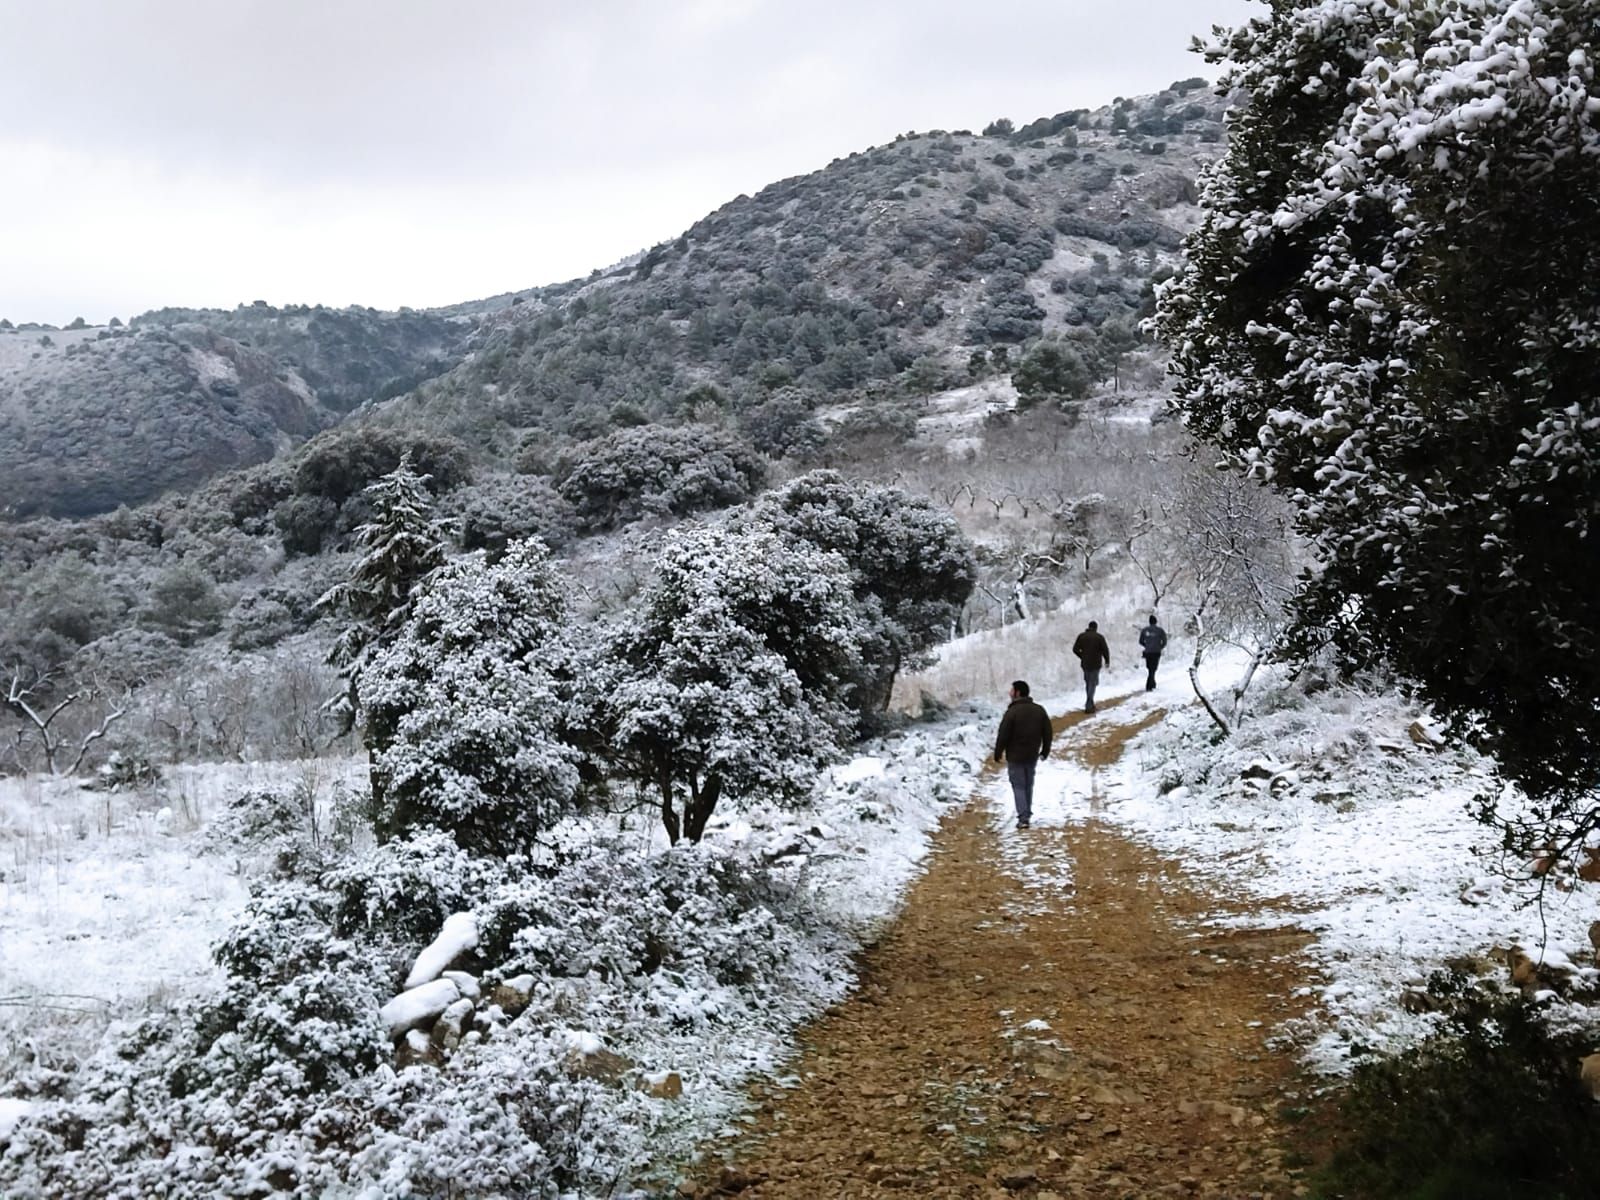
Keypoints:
pixel 911 567
pixel 461 707
pixel 733 674
pixel 1389 313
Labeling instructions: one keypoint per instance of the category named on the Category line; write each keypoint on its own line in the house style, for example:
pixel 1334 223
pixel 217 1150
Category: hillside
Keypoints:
pixel 93 418
pixel 895 271
pixel 891 273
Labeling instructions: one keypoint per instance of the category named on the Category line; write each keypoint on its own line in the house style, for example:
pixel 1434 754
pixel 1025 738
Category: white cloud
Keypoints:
pixel 179 152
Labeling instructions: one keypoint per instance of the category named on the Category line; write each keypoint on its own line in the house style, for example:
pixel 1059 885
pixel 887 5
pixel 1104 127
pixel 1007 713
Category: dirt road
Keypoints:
pixel 1052 1015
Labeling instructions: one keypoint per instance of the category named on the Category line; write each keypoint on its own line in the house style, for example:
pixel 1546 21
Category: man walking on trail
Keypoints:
pixel 1093 653
pixel 1024 739
pixel 1152 640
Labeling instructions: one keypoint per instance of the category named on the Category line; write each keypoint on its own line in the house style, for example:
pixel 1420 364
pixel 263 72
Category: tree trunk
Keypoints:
pixel 702 803
pixel 1194 667
pixel 669 812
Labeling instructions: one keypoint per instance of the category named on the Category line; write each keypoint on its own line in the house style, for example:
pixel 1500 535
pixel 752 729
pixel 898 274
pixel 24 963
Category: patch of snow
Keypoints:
pixel 418 1006
pixel 12 1111
pixel 458 935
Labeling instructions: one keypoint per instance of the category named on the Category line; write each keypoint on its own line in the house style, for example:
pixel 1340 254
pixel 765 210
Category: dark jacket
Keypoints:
pixel 1092 650
pixel 1152 640
pixel 1024 733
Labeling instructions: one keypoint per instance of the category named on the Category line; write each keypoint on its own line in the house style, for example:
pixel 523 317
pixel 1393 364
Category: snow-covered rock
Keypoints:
pixel 418 1006
pixel 12 1111
pixel 458 935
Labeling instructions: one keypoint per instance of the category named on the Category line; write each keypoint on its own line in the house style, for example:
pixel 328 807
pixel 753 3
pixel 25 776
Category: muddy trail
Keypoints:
pixel 1054 1014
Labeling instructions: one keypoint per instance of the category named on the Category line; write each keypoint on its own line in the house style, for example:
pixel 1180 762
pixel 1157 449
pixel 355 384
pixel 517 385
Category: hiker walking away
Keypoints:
pixel 1152 640
pixel 1024 739
pixel 1093 653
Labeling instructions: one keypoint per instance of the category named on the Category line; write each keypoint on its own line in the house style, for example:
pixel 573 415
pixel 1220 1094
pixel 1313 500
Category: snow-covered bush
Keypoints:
pixel 656 470
pixel 732 676
pixel 407 887
pixel 277 823
pixel 911 567
pixel 461 706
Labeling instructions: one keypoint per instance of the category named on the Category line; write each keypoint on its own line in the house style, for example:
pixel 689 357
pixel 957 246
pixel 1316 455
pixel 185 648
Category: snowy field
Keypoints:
pixel 110 901
pixel 1328 813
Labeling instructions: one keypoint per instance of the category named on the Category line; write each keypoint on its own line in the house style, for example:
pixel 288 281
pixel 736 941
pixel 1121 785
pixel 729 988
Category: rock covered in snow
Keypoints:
pixel 417 1049
pixel 12 1111
pixel 452 1024
pixel 457 938
pixel 512 996
pixel 418 1006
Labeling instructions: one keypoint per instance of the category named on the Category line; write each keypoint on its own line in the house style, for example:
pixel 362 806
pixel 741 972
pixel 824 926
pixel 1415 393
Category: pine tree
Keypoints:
pixel 463 708
pixel 399 547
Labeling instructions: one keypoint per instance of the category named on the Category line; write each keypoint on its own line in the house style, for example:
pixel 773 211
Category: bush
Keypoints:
pixel 462 710
pixel 784 425
pixel 1490 1106
pixel 657 471
pixel 492 513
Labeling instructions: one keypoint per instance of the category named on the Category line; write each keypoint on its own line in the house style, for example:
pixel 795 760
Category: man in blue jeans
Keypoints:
pixel 1093 653
pixel 1024 739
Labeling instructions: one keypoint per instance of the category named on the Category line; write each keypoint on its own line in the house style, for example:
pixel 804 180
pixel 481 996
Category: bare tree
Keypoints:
pixel 26 699
pixel 1237 538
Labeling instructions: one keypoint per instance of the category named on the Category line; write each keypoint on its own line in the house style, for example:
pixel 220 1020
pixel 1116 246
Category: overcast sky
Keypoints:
pixel 389 152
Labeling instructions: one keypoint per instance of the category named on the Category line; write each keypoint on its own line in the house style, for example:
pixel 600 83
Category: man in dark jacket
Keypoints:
pixel 1152 640
pixel 1093 653
pixel 1024 739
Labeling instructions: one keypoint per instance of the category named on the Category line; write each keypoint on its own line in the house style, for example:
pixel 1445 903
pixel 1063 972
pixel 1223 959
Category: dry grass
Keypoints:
pixel 982 665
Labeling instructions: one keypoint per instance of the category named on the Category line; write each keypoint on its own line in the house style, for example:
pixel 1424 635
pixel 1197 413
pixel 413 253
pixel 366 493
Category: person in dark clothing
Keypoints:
pixel 1093 653
pixel 1152 641
pixel 1024 739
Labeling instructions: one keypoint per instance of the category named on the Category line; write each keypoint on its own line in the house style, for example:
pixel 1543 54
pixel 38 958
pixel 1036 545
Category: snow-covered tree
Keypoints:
pixel 732 677
pixel 461 707
pixel 398 548
pixel 1389 311
pixel 911 567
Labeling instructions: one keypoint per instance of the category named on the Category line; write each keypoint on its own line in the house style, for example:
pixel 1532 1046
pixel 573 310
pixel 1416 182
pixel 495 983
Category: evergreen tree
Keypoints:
pixel 732 677
pixel 462 705
pixel 911 568
pixel 1389 312
pixel 398 548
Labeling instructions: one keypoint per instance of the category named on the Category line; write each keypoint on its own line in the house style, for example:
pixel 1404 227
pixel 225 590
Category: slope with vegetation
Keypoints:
pixel 94 418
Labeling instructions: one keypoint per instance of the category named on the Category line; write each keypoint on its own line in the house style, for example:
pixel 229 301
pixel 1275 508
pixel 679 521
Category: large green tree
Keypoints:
pixel 1390 312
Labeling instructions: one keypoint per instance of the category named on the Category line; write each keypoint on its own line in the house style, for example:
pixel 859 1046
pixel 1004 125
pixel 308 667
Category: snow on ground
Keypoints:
pixel 1324 812
pixel 134 910
pixel 108 906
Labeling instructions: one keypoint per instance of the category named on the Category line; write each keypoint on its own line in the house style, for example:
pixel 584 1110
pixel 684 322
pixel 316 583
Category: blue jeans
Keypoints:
pixel 1021 774
pixel 1091 680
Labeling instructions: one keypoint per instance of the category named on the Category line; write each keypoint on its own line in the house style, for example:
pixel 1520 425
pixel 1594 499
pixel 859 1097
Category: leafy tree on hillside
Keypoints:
pixel 732 676
pixel 398 548
pixel 658 471
pixel 1051 372
pixel 911 568
pixel 461 706
pixel 1389 312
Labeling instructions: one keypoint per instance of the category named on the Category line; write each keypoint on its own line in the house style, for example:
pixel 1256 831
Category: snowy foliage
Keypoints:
pixel 461 707
pixel 656 470
pixel 911 567
pixel 632 962
pixel 1389 311
pixel 732 676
